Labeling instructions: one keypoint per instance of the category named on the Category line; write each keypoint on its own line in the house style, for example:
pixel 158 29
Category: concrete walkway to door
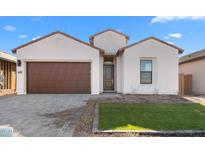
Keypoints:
pixel 27 114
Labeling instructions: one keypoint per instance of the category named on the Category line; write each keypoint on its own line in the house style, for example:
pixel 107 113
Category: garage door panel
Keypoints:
pixel 52 77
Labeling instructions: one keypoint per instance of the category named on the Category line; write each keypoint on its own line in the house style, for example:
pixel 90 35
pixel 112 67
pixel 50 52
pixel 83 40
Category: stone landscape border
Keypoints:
pixel 142 132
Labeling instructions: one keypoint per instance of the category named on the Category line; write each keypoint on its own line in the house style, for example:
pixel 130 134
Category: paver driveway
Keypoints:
pixel 26 113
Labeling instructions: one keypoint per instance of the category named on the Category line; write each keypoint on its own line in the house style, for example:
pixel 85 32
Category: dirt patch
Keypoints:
pixel 71 115
pixel 140 99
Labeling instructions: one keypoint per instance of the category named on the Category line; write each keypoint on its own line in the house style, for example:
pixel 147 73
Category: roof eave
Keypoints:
pixel 31 42
pixel 120 51
pixel 57 32
pixel 181 51
pixel 14 50
pixel 192 59
pixel 9 60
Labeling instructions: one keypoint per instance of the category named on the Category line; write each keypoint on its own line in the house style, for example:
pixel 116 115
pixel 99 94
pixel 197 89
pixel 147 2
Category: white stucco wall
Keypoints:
pixel 120 74
pixel 197 69
pixel 60 49
pixel 110 42
pixel 165 68
pixel 120 69
pixel 115 73
pixel 101 73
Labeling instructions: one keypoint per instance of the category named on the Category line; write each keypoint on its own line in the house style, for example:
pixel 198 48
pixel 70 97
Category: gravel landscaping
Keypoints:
pixel 84 126
pixel 121 98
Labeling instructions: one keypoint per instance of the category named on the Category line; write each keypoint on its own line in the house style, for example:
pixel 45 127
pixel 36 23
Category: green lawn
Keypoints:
pixel 151 116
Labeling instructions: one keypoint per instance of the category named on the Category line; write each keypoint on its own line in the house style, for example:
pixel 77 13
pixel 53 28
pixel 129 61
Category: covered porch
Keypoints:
pixel 109 74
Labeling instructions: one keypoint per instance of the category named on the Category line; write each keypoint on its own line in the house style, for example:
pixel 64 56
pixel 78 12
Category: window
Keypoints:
pixel 145 71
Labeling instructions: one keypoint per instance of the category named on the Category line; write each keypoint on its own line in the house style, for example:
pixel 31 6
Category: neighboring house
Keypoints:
pixel 7 71
pixel 59 63
pixel 194 64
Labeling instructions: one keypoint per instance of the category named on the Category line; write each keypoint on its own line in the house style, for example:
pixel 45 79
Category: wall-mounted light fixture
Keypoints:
pixel 19 63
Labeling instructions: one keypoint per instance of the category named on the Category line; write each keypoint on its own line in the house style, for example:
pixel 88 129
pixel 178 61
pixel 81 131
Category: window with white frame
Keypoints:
pixel 145 71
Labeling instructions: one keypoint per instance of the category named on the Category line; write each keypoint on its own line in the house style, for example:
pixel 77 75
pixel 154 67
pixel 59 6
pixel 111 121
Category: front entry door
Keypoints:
pixel 108 72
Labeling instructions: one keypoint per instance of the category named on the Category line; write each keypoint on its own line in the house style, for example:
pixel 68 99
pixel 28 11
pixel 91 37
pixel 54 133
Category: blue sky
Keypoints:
pixel 185 32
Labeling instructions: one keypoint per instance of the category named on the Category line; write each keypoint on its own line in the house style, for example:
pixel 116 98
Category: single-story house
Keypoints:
pixel 60 63
pixel 7 72
pixel 194 64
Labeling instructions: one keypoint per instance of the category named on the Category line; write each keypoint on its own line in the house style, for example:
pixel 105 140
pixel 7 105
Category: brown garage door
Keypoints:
pixel 58 77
